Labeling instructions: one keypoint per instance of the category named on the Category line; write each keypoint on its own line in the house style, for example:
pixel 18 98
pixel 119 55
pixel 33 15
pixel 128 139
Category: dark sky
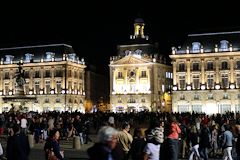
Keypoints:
pixel 95 28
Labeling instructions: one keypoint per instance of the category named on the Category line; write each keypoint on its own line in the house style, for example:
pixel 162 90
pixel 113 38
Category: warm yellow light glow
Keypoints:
pixel 211 108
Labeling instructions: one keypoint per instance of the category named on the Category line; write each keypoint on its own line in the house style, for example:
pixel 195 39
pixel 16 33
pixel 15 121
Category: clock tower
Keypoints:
pixel 138 79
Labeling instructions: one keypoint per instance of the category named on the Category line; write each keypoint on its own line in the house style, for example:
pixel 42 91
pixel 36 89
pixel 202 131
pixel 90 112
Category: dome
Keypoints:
pixel 139 20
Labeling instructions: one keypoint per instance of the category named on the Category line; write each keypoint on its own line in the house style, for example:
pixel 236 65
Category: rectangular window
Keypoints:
pixel 225 108
pixel 196 83
pixel 238 80
pixel 59 73
pixel 210 82
pixel 6 89
pixel 37 88
pixel 197 108
pixel 120 75
pixel 144 74
pixel 238 65
pixel 224 65
pixel 196 97
pixel 181 67
pixel 195 66
pixel 224 80
pixel 183 108
pixel 47 87
pixel 209 65
pixel 182 82
pixel 37 74
pixel 7 76
pixel 26 88
pixel 59 88
pixel 75 74
pixel 47 73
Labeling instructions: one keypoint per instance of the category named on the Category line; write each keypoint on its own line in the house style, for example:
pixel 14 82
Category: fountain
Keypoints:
pixel 19 99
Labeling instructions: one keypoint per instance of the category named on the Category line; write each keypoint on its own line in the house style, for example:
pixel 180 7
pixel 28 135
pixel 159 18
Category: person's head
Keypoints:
pixel 108 136
pixel 55 134
pixel 137 132
pixel 126 126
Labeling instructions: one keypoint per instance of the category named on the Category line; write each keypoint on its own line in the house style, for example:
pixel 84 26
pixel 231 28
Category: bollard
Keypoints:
pixel 76 143
pixel 31 140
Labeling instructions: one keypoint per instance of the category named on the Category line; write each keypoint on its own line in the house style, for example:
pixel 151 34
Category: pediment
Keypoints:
pixel 130 60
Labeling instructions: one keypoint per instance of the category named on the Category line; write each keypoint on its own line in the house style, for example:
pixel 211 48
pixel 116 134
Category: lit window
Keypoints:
pixel 224 45
pixel 196 47
pixel 9 58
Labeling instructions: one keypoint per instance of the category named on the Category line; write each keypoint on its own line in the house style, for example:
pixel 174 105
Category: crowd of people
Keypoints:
pixel 125 136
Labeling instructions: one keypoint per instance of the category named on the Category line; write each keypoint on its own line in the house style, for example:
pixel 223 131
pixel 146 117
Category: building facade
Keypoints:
pixel 206 73
pixel 139 76
pixel 53 74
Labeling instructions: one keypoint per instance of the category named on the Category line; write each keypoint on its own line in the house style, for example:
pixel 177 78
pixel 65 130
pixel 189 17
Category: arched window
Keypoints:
pixel 224 45
pixel 196 47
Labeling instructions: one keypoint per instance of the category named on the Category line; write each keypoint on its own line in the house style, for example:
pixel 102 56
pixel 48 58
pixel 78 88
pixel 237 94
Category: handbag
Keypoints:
pixel 51 156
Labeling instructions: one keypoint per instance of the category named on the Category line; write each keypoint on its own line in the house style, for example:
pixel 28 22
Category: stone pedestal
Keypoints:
pixel 31 140
pixel 76 143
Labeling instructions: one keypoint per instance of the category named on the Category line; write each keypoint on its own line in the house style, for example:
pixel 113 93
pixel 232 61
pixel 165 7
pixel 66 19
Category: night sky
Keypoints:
pixel 94 29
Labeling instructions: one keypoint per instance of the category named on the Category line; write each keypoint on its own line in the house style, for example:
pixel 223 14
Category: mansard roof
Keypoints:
pixel 38 51
pixel 210 41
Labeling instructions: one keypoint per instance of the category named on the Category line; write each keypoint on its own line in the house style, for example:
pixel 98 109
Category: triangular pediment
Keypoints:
pixel 131 60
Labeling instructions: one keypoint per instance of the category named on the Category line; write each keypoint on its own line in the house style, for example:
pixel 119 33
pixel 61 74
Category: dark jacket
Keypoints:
pixel 136 150
pixel 100 152
pixel 18 147
pixel 52 145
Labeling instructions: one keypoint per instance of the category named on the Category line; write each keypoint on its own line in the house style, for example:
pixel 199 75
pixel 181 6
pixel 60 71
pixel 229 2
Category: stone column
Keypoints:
pixel 217 70
pixel 174 73
pixel 231 70
pixel 202 71
pixel 188 72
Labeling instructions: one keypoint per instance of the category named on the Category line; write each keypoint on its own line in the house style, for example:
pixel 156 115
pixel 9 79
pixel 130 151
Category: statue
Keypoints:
pixel 20 76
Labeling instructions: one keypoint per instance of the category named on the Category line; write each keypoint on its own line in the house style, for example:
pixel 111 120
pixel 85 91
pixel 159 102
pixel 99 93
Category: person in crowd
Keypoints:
pixel 125 139
pixel 227 143
pixel 194 141
pixel 107 147
pixel 238 141
pixel 23 124
pixel 52 147
pixel 17 144
pixel 172 133
pixel 204 142
pixel 138 144
pixel 152 149
pixel 214 140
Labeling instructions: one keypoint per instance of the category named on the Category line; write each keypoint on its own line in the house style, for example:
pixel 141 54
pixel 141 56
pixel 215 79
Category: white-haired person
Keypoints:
pixel 107 147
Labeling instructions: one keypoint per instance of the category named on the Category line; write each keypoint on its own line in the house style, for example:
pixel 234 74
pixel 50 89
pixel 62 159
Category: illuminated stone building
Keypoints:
pixel 139 76
pixel 53 73
pixel 206 73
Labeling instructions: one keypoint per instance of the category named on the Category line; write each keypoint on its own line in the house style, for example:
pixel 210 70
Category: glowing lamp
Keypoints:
pixel 189 88
pixel 217 86
pixel 30 92
pixel 174 88
pixel 203 87
pixel 232 86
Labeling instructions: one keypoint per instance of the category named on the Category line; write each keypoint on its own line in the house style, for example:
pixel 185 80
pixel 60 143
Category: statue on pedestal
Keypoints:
pixel 20 80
